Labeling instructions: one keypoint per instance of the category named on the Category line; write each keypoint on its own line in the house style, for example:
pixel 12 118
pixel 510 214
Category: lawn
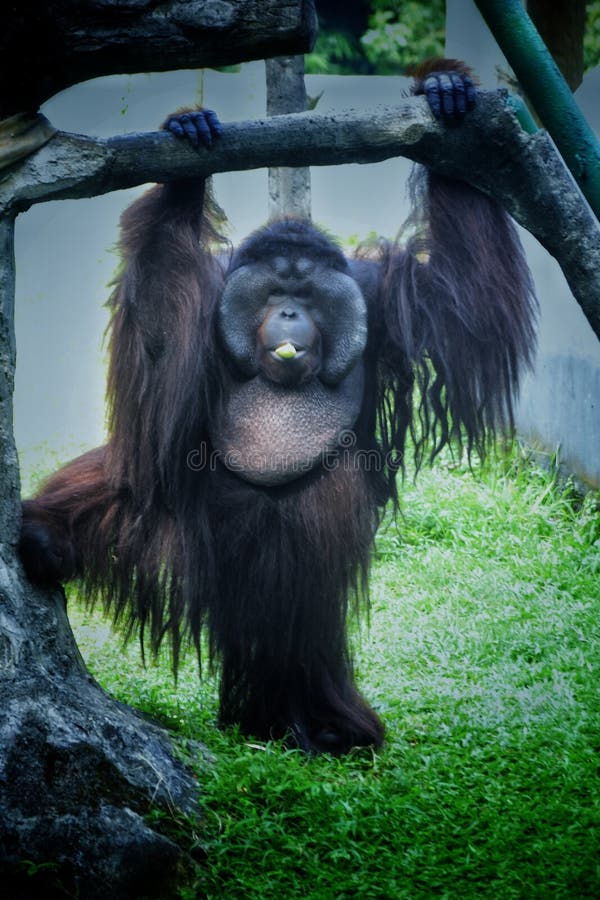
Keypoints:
pixel 483 657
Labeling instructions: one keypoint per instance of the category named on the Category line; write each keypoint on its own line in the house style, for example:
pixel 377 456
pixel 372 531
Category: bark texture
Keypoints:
pixel 289 189
pixel 46 47
pixel 78 772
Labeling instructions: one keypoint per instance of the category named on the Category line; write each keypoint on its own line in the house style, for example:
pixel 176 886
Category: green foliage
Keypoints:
pixel 32 868
pixel 482 657
pixel 591 38
pixel 400 34
pixel 403 33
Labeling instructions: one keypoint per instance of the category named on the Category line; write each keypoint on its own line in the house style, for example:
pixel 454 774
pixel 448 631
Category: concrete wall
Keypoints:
pixel 64 249
pixel 65 261
pixel 559 410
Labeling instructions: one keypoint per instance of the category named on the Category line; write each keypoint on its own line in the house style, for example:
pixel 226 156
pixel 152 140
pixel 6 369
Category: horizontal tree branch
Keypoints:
pixel 489 150
pixel 46 47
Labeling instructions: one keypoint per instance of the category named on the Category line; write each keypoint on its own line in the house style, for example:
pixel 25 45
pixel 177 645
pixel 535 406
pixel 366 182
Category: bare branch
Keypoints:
pixel 54 45
pixel 490 151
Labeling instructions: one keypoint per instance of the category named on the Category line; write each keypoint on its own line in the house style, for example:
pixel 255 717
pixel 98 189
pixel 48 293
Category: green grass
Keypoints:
pixel 483 657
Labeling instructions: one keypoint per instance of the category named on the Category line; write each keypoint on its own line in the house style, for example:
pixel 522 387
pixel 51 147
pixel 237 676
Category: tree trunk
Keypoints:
pixel 289 189
pixel 490 151
pixel 9 467
pixel 78 771
pixel 45 47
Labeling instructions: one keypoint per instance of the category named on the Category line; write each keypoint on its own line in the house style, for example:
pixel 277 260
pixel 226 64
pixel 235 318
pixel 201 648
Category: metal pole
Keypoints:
pixel 548 91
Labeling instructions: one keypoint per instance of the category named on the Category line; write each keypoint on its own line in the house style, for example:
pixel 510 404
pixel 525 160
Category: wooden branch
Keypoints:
pixel 489 150
pixel 9 466
pixel 46 47
pixel 289 189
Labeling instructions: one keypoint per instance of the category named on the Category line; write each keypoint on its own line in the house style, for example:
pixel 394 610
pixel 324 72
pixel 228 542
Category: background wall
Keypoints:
pixel 65 258
pixel 560 403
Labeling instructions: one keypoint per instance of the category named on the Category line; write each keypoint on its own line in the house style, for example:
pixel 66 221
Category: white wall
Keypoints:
pixel 65 261
pixel 560 403
pixel 64 249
